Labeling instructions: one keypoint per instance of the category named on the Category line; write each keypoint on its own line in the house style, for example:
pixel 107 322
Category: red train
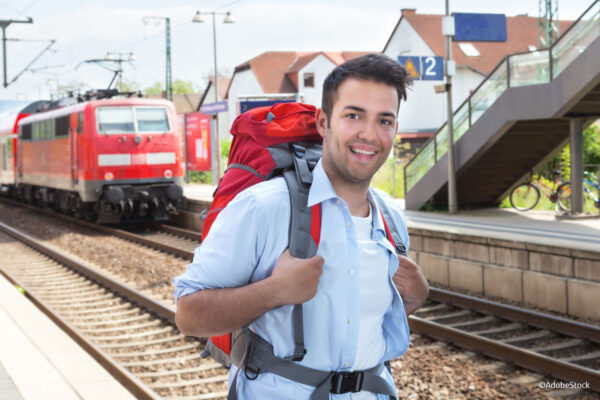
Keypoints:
pixel 108 160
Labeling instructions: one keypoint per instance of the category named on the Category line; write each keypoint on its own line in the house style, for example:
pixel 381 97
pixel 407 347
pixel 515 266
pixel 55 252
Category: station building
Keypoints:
pixel 283 75
pixel 419 37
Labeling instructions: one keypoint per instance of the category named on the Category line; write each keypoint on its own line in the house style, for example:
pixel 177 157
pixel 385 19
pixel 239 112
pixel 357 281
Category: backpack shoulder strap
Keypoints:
pixel 392 230
pixel 305 224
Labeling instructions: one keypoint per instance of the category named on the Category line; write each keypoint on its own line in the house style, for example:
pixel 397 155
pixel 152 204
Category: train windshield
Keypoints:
pixel 118 120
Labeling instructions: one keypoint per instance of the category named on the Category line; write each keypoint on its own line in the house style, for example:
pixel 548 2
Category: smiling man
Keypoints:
pixel 356 292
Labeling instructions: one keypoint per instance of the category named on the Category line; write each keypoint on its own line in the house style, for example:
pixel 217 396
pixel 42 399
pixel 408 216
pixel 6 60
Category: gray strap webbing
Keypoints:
pixel 260 358
pixel 389 219
pixel 245 168
pixel 301 245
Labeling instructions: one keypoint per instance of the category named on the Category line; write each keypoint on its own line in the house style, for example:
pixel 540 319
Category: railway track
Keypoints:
pixel 170 239
pixel 132 336
pixel 564 349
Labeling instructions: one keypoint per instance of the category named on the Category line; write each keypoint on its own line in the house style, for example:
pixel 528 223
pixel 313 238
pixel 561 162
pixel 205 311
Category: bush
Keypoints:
pixel 383 178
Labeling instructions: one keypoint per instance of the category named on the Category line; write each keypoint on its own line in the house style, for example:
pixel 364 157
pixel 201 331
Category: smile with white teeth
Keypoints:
pixel 363 152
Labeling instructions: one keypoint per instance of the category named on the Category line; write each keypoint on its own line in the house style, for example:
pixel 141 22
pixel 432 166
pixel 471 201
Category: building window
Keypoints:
pixel 469 49
pixel 309 80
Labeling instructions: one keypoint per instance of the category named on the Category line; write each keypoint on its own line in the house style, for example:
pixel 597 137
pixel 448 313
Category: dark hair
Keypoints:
pixel 371 67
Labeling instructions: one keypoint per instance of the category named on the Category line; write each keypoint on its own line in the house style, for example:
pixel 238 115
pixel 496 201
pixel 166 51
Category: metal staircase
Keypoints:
pixel 515 120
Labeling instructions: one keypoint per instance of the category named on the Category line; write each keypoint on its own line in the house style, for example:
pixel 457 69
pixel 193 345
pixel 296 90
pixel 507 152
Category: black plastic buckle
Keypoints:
pixel 298 150
pixel 345 382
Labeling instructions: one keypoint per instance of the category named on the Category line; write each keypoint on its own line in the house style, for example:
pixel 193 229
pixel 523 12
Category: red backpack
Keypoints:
pixel 267 142
pixel 281 140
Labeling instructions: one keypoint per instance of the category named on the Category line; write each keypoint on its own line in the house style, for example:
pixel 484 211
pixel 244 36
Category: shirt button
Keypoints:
pixel 346 364
pixel 350 321
pixel 348 225
pixel 338 201
pixel 351 272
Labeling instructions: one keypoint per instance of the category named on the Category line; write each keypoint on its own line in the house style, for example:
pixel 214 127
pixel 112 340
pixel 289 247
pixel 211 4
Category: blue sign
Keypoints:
pixel 249 105
pixel 412 64
pixel 428 68
pixel 479 27
pixel 214 108
pixel 433 68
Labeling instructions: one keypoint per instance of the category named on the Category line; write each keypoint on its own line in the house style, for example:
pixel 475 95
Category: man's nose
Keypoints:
pixel 369 132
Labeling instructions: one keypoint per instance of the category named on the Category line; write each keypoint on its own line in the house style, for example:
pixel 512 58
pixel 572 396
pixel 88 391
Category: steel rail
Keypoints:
pixel 516 314
pixel 188 255
pixel 134 296
pixel 124 377
pixel 521 357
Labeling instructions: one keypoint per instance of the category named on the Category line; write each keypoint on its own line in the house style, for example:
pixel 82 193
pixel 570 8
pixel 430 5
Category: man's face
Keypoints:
pixel 361 132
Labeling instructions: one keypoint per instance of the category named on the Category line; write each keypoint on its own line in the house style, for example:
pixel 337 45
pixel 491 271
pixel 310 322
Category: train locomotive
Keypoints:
pixel 108 160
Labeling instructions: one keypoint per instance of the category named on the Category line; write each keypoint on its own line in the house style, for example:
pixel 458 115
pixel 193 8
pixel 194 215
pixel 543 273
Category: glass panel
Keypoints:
pixel 529 68
pixel 420 165
pixel 460 121
pixel 441 141
pixel 152 119
pixel 488 92
pixel 576 40
pixel 115 120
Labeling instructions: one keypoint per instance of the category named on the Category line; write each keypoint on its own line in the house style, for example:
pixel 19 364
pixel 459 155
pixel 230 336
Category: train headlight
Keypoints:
pixel 109 176
pixel 168 173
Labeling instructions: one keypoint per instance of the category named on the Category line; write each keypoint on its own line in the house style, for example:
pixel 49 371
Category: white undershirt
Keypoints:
pixel 374 302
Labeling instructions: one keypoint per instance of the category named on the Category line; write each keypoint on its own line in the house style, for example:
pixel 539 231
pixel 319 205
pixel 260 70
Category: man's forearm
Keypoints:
pixel 212 312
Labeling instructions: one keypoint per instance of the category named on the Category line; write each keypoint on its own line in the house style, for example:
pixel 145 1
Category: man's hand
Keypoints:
pixel 411 284
pixel 296 279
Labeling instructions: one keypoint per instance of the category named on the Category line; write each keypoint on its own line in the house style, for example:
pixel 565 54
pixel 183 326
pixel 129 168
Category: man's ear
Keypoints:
pixel 321 118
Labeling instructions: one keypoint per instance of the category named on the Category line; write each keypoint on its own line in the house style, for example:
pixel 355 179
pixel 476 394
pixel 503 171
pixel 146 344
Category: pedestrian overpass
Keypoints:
pixel 518 118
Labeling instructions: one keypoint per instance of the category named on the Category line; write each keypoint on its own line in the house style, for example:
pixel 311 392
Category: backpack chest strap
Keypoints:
pixel 260 358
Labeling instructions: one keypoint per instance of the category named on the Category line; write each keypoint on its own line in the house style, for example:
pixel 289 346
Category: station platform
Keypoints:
pixel 39 361
pixel 541 227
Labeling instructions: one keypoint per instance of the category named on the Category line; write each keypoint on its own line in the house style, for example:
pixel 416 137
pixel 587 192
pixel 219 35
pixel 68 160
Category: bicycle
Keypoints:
pixel 564 196
pixel 526 195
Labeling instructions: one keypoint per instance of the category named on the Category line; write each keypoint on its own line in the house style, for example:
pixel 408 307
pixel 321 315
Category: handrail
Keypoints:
pixel 506 60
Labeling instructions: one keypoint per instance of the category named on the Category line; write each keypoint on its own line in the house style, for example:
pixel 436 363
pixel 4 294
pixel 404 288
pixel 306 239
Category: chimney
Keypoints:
pixel 408 11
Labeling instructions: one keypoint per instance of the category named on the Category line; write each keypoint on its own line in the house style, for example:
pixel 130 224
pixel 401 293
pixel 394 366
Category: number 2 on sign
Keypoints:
pixel 429 66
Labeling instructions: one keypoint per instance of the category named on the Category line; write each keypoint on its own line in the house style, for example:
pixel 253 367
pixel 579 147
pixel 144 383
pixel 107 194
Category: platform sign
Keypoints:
pixel 433 68
pixel 250 104
pixel 428 68
pixel 214 108
pixel 479 27
pixel 197 141
pixel 412 64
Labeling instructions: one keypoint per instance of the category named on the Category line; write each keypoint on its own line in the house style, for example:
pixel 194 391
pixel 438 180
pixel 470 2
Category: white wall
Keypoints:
pixel 242 83
pixel 424 109
pixel 320 66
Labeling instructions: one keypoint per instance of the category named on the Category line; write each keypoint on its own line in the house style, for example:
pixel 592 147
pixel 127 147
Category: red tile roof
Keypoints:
pixel 521 32
pixel 277 71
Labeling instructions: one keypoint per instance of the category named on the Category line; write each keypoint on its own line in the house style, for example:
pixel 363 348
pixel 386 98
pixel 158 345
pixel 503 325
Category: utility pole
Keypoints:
pixel 4 23
pixel 448 31
pixel 168 74
pixel 548 25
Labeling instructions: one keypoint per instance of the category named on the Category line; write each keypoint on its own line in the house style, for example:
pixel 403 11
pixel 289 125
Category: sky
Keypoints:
pixel 88 30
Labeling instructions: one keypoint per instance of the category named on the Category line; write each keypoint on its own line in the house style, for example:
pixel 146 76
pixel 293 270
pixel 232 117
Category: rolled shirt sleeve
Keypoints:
pixel 230 252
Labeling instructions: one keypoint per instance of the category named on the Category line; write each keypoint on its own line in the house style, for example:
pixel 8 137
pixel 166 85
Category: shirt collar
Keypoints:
pixel 377 219
pixel 321 188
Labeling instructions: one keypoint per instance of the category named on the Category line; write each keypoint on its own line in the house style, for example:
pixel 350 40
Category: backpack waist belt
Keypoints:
pixel 260 358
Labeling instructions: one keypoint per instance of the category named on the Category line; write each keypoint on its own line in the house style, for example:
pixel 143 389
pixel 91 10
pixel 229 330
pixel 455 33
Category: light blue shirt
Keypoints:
pixel 244 245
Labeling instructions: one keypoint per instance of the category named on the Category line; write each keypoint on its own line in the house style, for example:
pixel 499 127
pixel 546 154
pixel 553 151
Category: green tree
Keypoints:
pixel 156 89
pixel 179 87
pixel 591 151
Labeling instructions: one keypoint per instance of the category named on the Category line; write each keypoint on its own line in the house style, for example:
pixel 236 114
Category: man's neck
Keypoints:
pixel 355 195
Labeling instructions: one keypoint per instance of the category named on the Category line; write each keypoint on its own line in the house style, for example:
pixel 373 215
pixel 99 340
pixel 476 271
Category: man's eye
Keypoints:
pixel 386 122
pixel 352 116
